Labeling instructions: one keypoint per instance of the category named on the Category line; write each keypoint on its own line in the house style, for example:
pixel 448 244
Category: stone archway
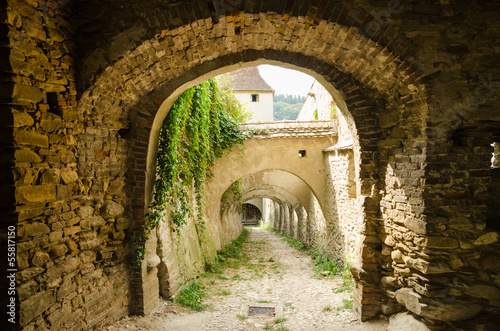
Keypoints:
pixel 84 82
pixel 363 104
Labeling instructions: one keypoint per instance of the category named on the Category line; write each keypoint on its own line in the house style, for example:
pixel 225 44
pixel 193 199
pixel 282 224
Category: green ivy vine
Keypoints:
pixel 232 195
pixel 201 125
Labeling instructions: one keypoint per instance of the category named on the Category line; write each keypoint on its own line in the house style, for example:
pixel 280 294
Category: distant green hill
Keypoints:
pixel 286 106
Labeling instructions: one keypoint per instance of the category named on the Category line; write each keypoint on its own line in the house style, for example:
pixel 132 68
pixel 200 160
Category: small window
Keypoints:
pixel 255 98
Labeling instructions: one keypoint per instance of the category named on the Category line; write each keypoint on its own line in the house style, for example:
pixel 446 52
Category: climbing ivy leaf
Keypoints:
pixel 201 125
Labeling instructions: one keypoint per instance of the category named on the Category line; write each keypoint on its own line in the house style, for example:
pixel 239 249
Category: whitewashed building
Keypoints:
pixel 254 93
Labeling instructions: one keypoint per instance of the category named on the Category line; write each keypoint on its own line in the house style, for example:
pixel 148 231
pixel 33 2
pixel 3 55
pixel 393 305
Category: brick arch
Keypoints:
pixel 133 95
pixel 256 24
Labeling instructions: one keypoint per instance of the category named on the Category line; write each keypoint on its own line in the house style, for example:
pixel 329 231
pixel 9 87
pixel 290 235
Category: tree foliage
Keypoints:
pixel 287 107
pixel 201 125
pixel 288 98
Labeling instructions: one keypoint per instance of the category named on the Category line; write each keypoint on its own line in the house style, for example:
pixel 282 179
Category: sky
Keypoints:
pixel 286 81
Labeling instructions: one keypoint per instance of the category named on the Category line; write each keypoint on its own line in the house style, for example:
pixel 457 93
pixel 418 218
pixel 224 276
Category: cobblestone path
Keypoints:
pixel 272 273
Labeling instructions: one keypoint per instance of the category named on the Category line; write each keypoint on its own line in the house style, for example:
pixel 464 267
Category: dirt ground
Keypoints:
pixel 273 274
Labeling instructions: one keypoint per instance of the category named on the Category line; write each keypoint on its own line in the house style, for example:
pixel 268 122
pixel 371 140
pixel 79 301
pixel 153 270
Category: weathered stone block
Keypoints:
pixel 484 291
pixel 56 236
pixel 36 193
pixel 490 261
pixel 456 311
pixel 58 250
pixel 116 186
pixel 31 138
pixel 90 242
pixel 410 299
pixel 14 19
pixel 486 239
pixel 27 289
pixel 119 235
pixel 71 264
pixel 441 242
pixel 388 119
pixel 68 286
pixel 70 115
pixel 26 94
pixel 25 155
pixel 397 256
pixel 49 177
pixel 416 225
pixel 22 119
pixel 85 211
pixel 405 321
pixel 50 122
pixel 418 264
pixel 92 222
pixel 40 259
pixel 88 256
pixel 26 274
pixel 460 223
pixel 36 305
pixel 72 230
pixel 122 223
pixel 438 266
pixel 86 268
pixel 72 246
pixel 111 209
pixel 58 316
pixel 69 176
pixel 64 192
pixel 34 229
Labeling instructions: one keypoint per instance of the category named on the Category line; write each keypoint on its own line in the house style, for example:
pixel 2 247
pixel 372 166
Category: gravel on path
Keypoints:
pixel 271 273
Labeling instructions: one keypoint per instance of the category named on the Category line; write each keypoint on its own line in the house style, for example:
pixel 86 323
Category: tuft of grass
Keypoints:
pixel 278 325
pixel 347 284
pixel 298 245
pixel 233 249
pixel 191 295
pixel 346 304
pixel 323 264
pixel 236 277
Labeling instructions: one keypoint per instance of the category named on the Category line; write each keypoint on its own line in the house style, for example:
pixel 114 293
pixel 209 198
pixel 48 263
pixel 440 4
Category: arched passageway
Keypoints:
pixel 83 139
pixel 250 214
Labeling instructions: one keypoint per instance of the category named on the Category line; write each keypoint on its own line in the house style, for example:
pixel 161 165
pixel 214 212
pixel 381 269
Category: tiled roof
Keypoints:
pixel 248 79
pixel 289 129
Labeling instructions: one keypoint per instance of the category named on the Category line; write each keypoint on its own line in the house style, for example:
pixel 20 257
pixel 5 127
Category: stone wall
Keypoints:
pixel 70 245
pixel 318 105
pixel 417 83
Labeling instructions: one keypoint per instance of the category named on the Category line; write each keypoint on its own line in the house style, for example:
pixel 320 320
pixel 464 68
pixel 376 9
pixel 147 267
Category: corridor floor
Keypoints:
pixel 272 273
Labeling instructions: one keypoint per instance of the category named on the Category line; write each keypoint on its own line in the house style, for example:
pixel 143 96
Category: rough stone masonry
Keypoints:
pixel 85 84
